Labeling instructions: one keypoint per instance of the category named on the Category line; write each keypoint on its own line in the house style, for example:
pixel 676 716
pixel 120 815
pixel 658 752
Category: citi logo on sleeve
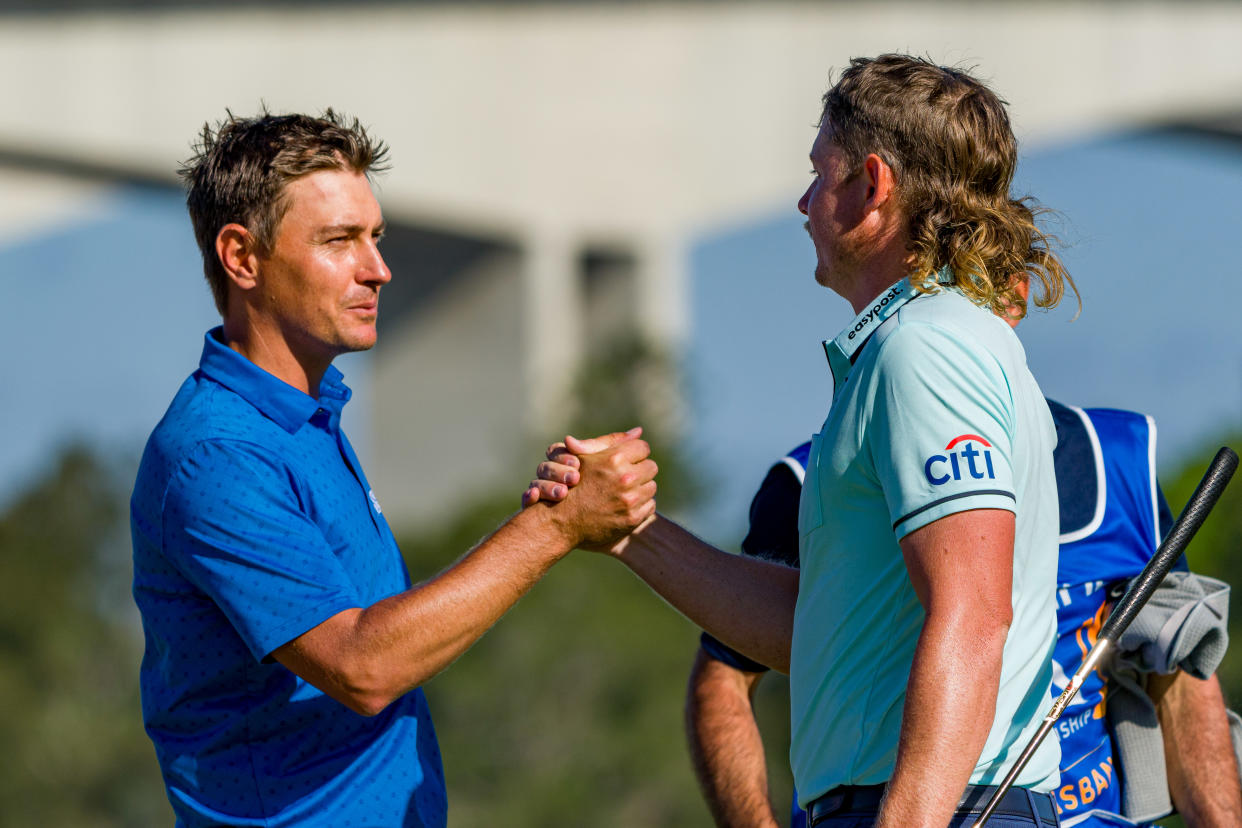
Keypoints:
pixel 966 454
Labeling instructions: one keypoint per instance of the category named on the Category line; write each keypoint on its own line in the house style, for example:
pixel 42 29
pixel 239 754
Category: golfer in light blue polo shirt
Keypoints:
pixel 934 412
pixel 915 608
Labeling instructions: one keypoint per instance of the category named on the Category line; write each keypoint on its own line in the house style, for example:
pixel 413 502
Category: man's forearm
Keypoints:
pixel 365 658
pixel 961 568
pixel 1202 768
pixel 745 602
pixel 725 747
pixel 949 707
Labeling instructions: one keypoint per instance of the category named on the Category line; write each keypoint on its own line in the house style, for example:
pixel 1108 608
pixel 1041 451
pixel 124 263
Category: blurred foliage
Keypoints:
pixel 75 753
pixel 1217 548
pixel 568 712
pixel 630 381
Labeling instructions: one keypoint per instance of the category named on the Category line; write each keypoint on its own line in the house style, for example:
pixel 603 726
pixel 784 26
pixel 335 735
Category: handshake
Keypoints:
pixel 596 491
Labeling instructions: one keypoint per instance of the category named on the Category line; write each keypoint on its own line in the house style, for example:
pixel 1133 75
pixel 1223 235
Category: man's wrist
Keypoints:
pixel 618 549
pixel 545 523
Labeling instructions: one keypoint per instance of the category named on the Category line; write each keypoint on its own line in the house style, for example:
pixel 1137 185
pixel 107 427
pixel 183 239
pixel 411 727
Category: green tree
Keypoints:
pixel 1217 548
pixel 1215 551
pixel 632 381
pixel 568 712
pixel 70 723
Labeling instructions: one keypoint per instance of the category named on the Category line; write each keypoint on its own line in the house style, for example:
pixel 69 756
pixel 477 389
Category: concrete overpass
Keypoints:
pixel 552 160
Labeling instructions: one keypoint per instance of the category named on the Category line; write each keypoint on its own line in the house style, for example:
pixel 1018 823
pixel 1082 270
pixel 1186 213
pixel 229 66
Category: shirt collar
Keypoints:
pixel 844 349
pixel 274 398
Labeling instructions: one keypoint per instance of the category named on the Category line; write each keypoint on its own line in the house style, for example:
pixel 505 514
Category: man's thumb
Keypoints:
pixel 597 444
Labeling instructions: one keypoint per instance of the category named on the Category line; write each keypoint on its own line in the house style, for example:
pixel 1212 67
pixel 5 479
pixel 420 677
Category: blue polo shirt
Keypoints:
pixel 934 413
pixel 252 523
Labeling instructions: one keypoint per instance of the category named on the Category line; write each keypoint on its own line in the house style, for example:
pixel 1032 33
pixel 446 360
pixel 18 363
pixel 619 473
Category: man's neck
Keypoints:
pixel 272 352
pixel 872 283
pixel 886 263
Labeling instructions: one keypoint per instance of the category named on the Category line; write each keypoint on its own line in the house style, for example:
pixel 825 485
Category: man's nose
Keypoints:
pixel 375 269
pixel 802 202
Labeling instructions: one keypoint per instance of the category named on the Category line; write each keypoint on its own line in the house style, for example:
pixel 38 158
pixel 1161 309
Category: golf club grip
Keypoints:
pixel 1188 522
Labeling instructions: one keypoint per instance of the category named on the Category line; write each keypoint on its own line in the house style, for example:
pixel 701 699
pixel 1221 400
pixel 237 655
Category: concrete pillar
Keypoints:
pixel 663 312
pixel 662 300
pixel 552 332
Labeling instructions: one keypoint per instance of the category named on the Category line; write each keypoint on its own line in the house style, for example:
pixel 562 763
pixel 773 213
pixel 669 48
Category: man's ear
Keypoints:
pixel 881 182
pixel 238 251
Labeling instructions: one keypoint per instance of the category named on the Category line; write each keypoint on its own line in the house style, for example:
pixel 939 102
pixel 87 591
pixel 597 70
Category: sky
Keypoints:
pixel 104 318
pixel 1148 221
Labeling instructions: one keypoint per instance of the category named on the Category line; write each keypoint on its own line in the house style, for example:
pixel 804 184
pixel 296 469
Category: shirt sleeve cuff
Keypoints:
pixel 727 655
pixel 920 516
pixel 266 642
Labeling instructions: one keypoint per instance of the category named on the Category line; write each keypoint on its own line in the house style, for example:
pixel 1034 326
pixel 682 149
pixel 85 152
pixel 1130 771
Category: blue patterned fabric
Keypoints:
pixel 252 523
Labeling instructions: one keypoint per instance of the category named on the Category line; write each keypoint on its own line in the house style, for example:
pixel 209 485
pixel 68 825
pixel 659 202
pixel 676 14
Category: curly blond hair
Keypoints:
pixel 948 140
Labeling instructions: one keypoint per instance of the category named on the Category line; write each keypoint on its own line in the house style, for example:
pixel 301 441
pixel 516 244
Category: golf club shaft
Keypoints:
pixel 1141 588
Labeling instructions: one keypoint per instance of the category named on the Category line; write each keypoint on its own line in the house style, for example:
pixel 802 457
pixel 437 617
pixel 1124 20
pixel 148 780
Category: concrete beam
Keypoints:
pixel 656 118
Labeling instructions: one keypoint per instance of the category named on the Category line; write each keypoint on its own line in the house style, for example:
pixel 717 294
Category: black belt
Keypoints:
pixel 1016 802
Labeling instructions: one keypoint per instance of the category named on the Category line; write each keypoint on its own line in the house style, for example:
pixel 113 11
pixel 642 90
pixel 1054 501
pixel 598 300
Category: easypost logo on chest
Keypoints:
pixel 965 455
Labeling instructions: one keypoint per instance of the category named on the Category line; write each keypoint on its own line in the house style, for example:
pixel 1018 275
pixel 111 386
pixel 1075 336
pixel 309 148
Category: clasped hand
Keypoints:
pixel 601 489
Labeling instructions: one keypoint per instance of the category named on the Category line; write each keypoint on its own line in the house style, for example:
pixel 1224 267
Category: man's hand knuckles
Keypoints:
pixel 552 471
pixel 636 450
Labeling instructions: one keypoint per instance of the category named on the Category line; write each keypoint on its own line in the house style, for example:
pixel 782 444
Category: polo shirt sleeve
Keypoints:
pixel 941 433
pixel 234 525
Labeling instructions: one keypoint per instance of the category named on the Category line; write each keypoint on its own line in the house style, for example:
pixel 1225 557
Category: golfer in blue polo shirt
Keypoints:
pixel 285 646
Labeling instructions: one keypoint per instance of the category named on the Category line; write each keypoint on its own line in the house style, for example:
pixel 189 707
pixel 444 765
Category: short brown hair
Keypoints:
pixel 241 166
pixel 947 137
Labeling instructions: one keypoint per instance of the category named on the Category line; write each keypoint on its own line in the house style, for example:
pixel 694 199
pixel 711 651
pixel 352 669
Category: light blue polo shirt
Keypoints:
pixel 934 412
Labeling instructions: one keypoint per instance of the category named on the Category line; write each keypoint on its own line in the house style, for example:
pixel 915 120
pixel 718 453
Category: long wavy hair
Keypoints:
pixel 948 140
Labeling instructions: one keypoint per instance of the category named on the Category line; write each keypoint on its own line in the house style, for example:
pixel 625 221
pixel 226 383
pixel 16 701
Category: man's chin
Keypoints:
pixel 362 339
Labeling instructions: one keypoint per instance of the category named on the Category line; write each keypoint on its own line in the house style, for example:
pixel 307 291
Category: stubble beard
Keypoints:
pixel 823 275
pixel 839 273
